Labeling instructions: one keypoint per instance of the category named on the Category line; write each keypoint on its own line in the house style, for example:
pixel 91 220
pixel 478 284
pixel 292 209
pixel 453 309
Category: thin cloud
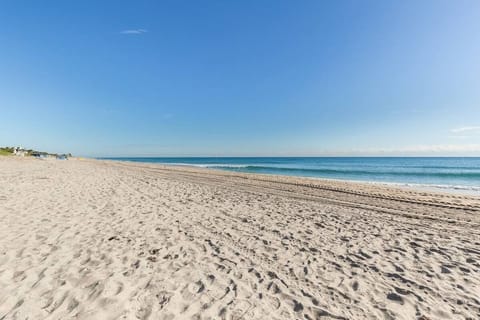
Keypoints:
pixel 458 136
pixel 134 31
pixel 443 148
pixel 418 150
pixel 465 129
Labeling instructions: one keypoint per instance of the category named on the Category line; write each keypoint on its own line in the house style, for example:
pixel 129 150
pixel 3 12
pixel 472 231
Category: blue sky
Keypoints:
pixel 239 78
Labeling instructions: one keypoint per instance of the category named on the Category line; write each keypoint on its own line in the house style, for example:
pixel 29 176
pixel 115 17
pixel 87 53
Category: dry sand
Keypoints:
pixel 87 239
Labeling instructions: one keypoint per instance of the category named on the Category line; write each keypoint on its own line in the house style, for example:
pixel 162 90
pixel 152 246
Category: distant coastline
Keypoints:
pixel 24 152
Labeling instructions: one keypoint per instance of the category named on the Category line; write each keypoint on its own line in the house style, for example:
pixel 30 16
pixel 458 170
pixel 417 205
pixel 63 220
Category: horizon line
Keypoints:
pixel 295 156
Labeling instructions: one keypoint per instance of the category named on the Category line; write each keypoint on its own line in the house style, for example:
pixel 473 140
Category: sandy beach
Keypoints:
pixel 91 239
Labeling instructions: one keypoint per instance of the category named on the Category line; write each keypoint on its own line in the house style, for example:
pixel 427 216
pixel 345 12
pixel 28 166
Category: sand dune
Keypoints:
pixel 86 239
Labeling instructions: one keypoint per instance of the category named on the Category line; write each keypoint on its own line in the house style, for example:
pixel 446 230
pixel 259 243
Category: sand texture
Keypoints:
pixel 87 239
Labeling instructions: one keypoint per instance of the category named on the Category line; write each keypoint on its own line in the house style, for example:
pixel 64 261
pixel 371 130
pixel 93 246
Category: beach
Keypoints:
pixel 98 239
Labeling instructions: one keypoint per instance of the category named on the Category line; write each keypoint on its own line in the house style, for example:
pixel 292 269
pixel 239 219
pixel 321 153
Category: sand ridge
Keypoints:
pixel 88 239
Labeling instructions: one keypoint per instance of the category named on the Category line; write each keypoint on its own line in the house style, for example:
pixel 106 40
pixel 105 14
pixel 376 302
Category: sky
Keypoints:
pixel 241 78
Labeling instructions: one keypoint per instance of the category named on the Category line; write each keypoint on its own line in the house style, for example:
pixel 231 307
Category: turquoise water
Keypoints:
pixel 459 173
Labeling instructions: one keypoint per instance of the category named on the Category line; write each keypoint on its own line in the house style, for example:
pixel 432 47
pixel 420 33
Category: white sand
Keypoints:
pixel 85 239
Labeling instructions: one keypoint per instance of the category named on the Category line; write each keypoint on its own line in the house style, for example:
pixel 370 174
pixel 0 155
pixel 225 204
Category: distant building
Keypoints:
pixel 19 151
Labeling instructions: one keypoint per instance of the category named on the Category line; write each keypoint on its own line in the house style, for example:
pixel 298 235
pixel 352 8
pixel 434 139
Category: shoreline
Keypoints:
pixel 449 189
pixel 102 239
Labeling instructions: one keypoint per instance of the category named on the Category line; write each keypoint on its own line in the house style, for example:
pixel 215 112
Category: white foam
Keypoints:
pixel 208 165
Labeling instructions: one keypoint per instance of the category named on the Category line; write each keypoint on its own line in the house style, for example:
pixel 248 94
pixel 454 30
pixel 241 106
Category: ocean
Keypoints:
pixel 442 172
